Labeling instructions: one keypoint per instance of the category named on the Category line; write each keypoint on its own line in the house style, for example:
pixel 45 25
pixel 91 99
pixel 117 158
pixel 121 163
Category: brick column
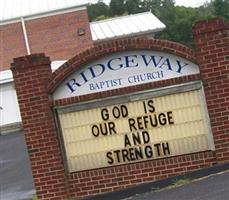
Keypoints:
pixel 31 74
pixel 212 51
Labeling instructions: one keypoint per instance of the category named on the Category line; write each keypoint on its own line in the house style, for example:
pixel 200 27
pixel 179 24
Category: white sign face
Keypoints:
pixel 135 131
pixel 124 69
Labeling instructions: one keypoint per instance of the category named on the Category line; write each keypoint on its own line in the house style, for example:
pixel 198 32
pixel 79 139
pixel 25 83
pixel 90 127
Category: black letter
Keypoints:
pixel 125 155
pixel 111 126
pixel 95 130
pixel 170 117
pixel 132 154
pixel 132 124
pixel 145 136
pixel 136 138
pixel 104 114
pixel 116 112
pixel 110 159
pixel 103 128
pixel 140 125
pixel 117 152
pixel 165 147
pixel 138 153
pixel 158 145
pixel 127 141
pixel 144 104
pixel 153 123
pixel 148 152
pixel 150 104
pixel 124 111
pixel 162 119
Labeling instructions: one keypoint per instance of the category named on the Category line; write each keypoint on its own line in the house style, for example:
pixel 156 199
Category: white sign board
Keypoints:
pixel 135 131
pixel 124 69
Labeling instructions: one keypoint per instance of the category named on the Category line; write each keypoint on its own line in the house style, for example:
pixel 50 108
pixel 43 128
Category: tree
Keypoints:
pixel 205 11
pixel 178 22
pixel 167 3
pixel 134 6
pixel 221 8
pixel 152 5
pixel 178 19
pixel 98 9
pixel 117 7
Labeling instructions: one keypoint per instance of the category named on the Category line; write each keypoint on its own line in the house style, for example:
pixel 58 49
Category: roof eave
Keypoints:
pixel 44 14
pixel 142 33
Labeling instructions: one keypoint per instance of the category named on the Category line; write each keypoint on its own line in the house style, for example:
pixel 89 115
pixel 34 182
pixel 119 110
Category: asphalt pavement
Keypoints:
pixel 16 181
pixel 213 187
pixel 205 184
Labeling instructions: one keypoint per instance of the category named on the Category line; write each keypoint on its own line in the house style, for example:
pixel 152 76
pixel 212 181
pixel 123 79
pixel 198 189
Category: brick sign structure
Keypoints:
pixel 131 126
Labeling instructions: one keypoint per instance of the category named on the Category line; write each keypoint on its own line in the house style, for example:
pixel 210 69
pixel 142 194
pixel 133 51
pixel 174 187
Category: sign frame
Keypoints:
pixel 134 96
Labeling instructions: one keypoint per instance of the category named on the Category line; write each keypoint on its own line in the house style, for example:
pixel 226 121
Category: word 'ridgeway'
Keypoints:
pixel 124 62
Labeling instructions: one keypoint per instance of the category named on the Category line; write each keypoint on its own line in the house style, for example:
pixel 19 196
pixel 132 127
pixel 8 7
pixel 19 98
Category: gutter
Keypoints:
pixel 143 34
pixel 44 14
pixel 25 36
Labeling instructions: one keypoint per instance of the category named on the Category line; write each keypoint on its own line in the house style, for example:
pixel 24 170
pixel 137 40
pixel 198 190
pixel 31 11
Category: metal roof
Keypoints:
pixel 130 25
pixel 13 9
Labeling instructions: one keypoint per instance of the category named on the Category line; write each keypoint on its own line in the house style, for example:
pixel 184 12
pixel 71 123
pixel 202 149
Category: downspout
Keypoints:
pixel 25 36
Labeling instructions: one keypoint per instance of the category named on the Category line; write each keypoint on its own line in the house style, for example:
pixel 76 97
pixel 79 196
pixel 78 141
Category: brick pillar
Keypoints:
pixel 212 51
pixel 31 74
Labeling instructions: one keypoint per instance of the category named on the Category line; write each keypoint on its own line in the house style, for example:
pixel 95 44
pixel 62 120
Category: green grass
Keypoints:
pixel 180 182
pixel 34 197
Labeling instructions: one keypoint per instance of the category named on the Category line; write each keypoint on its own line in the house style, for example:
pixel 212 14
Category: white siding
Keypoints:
pixel 9 111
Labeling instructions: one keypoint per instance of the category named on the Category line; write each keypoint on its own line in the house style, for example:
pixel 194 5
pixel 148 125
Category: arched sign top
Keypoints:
pixel 124 69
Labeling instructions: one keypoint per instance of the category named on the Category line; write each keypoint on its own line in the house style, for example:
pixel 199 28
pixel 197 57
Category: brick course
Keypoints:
pixel 55 35
pixel 34 83
pixel 212 52
pixel 30 77
pixel 12 44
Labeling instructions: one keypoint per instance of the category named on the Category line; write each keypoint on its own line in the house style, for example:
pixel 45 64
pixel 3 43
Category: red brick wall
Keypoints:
pixel 212 52
pixel 119 177
pixel 34 83
pixel 12 44
pixel 55 35
pixel 30 77
pixel 115 178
